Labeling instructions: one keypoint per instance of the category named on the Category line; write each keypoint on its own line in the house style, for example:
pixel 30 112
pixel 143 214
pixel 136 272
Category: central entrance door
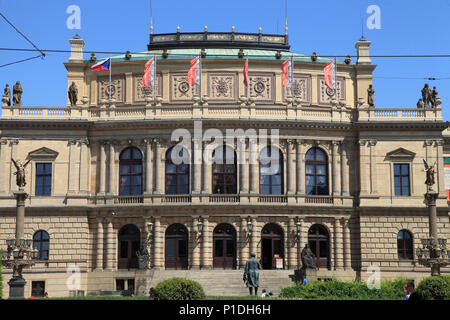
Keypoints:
pixel 129 244
pixel 224 247
pixel 272 245
pixel 319 244
pixel 176 247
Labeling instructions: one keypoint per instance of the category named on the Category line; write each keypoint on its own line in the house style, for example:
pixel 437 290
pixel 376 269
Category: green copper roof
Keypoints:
pixel 219 54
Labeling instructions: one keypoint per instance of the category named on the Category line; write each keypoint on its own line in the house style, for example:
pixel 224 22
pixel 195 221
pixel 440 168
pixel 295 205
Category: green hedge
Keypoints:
pixel 340 290
pixel 434 288
pixel 179 289
pixel 1 278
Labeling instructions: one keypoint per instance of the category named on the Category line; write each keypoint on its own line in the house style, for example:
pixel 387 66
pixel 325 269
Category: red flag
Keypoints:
pixel 286 75
pixel 330 74
pixel 194 71
pixel 149 73
pixel 246 73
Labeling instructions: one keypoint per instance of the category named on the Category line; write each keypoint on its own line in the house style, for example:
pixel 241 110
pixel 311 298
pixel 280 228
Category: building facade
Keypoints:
pixel 104 186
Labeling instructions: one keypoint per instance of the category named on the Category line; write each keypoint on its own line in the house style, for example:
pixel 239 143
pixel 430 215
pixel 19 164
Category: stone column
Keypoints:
pixel 197 242
pixel 102 163
pixel 3 147
pixel 99 257
pixel 84 166
pixel 20 196
pixel 112 171
pixel 72 189
pixel 109 244
pixel 254 166
pixel 347 247
pixel 291 236
pixel 300 164
pixel 255 239
pixel 158 240
pixel 207 183
pixel 206 245
pixel 244 167
pixel 290 173
pixel 373 167
pixel 13 144
pixel 363 167
pixel 148 166
pixel 333 256
pixel 158 167
pixel 440 167
pixel 244 254
pixel 338 243
pixel 344 171
pixel 197 165
pixel 336 169
pixel 301 242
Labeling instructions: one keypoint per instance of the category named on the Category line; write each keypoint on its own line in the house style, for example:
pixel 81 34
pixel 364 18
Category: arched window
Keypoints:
pixel 41 242
pixel 316 172
pixel 130 172
pixel 405 245
pixel 177 171
pixel 271 171
pixel 224 178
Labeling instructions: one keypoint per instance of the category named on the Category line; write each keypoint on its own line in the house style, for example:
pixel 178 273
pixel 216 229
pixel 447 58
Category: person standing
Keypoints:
pixel 251 273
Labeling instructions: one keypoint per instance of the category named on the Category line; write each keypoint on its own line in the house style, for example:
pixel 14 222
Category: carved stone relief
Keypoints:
pixel 117 88
pixel 222 86
pixel 301 88
pixel 140 92
pixel 261 87
pixel 180 90
pixel 323 96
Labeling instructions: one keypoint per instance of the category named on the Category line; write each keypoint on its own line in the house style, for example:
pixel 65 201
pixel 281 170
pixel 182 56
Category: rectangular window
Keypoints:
pixel 401 179
pixel 37 288
pixel 43 179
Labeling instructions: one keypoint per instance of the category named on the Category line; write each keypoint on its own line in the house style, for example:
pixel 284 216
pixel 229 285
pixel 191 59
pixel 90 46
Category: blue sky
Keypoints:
pixel 326 27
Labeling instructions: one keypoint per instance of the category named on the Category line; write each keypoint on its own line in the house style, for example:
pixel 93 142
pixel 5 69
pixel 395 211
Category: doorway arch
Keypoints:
pixel 272 245
pixel 319 243
pixel 176 252
pixel 224 249
pixel 129 243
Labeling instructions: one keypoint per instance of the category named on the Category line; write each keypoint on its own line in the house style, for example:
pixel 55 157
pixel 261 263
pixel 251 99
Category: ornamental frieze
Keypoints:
pixel 180 90
pixel 222 87
pixel 301 89
pixel 117 88
pixel 140 91
pixel 322 89
pixel 261 87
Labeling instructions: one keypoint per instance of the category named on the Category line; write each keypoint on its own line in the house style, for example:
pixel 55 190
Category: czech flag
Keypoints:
pixel 246 73
pixel 102 66
pixel 286 75
pixel 149 73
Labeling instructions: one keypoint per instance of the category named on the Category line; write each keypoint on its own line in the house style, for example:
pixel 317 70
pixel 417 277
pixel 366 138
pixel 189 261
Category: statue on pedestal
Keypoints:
pixel 251 273
pixel 73 94
pixel 17 94
pixel 370 96
pixel 308 258
pixel 434 97
pixel 7 95
pixel 430 175
pixel 426 95
pixel 420 104
pixel 20 173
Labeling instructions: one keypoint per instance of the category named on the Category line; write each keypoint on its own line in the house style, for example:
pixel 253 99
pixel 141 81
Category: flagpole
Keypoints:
pixel 246 88
pixel 154 80
pixel 110 67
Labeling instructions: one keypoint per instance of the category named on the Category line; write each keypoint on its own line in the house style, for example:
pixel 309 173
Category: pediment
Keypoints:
pixel 43 153
pixel 400 153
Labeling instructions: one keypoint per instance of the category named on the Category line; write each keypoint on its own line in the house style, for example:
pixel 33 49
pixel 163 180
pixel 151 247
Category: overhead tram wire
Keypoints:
pixel 19 61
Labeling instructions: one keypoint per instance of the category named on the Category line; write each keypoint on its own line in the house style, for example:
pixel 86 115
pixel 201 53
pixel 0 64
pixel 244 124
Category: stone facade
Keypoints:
pixel 360 214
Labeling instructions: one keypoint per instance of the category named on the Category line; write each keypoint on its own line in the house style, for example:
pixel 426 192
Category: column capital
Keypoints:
pixel 336 143
pixel 3 141
pixel 373 143
pixel 14 141
pixel 428 142
pixel 83 141
pixel 72 142
pixel 438 143
pixel 362 143
pixel 300 142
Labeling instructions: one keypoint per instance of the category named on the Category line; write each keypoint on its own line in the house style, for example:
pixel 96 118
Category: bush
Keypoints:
pixel 179 289
pixel 335 289
pixel 434 288
pixel 1 278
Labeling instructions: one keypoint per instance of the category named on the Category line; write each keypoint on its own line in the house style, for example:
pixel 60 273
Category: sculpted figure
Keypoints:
pixel 426 95
pixel 20 173
pixel 434 97
pixel 251 273
pixel 370 96
pixel 420 104
pixel 73 94
pixel 430 174
pixel 7 95
pixel 308 258
pixel 17 94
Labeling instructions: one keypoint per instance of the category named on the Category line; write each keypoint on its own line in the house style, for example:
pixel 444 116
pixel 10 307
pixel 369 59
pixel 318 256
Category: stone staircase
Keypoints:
pixel 223 282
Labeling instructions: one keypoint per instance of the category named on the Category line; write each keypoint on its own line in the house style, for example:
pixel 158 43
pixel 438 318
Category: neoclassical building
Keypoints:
pixel 104 186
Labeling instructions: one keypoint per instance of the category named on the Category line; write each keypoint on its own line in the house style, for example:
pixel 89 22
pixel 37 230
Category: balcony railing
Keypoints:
pixel 211 111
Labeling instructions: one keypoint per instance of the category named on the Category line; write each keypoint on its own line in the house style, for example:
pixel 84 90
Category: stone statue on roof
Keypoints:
pixel 426 96
pixel 17 94
pixel 73 94
pixel 7 95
